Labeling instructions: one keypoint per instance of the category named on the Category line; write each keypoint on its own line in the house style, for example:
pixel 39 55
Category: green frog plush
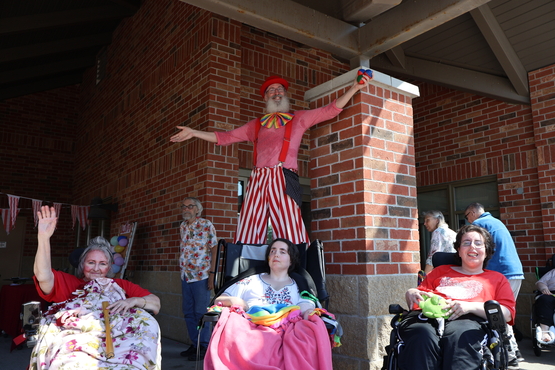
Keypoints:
pixel 432 307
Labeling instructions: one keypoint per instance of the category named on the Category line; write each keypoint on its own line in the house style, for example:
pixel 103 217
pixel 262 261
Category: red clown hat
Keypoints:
pixel 273 80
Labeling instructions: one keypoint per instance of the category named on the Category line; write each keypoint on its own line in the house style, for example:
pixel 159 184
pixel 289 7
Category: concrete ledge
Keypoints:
pixel 380 80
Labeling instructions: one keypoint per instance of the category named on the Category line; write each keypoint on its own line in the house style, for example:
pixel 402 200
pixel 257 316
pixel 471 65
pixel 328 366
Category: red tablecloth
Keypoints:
pixel 11 299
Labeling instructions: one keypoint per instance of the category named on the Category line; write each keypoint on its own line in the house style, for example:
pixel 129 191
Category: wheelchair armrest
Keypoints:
pixel 30 316
pixel 211 317
pixel 496 320
pixel 395 309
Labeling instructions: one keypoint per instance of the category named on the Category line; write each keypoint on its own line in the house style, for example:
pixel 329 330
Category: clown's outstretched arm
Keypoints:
pixel 43 265
pixel 342 101
pixel 187 133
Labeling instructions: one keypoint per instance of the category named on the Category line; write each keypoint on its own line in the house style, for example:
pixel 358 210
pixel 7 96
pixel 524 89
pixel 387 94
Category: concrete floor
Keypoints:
pixel 19 358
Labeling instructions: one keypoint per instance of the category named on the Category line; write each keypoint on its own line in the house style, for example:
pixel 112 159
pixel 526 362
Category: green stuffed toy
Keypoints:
pixel 432 307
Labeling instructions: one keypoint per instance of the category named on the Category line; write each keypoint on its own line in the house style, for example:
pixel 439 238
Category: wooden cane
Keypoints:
pixel 109 343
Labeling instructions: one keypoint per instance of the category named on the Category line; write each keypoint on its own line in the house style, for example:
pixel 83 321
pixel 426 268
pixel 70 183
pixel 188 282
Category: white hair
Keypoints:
pixel 281 106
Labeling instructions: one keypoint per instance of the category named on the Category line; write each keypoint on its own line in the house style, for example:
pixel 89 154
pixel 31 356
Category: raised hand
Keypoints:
pixel 47 221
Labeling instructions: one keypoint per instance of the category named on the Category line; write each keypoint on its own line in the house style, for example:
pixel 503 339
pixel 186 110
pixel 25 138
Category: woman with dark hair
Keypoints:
pixel 261 325
pixel 274 287
pixel 465 288
pixel 71 334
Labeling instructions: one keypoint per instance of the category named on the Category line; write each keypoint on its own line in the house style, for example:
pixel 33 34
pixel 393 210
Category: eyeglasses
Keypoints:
pixel 478 244
pixel 190 206
pixel 273 90
pixel 466 216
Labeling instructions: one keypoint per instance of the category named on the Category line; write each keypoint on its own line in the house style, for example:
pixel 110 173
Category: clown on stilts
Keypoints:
pixel 273 191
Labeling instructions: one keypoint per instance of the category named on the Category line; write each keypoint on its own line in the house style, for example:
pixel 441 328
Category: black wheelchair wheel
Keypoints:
pixel 533 323
pixel 537 350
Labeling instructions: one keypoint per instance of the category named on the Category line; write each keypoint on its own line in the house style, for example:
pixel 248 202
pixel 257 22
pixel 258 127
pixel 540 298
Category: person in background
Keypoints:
pixel 197 261
pixel 504 260
pixel 442 236
pixel 545 308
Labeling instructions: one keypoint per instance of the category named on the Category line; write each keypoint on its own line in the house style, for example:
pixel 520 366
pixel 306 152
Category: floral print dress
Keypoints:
pixel 72 333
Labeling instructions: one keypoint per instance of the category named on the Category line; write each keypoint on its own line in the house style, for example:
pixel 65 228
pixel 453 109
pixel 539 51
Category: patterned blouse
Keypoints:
pixel 442 241
pixel 197 240
pixel 256 292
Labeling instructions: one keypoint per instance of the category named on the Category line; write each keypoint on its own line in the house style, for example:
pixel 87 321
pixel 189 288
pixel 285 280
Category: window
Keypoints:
pixel 452 199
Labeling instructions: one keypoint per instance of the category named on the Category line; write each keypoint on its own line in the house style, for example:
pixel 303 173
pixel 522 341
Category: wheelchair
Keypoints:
pixel 495 356
pixel 537 345
pixel 238 258
pixel 240 261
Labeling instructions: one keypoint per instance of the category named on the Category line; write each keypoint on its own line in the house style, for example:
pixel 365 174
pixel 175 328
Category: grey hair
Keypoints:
pixel 437 215
pixel 96 244
pixel 476 207
pixel 197 203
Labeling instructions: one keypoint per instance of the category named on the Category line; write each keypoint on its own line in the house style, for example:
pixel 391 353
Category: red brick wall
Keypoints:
pixel 461 136
pixel 169 65
pixel 364 186
pixel 37 140
pixel 542 96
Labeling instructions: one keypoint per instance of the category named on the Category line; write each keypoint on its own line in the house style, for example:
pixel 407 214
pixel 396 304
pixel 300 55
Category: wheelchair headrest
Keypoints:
pixel 445 258
pixel 75 255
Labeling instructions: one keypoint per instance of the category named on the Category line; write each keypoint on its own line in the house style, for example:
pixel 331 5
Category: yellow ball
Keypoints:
pixel 119 248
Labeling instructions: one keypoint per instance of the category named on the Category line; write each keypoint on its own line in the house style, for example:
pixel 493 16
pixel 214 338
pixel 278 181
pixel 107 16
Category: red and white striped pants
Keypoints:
pixel 265 197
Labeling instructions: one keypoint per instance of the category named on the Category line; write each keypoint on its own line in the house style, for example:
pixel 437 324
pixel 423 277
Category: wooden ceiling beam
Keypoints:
pixel 291 20
pixel 39 85
pixel 36 22
pixel 457 78
pixel 408 20
pixel 501 47
pixel 54 47
pixel 64 66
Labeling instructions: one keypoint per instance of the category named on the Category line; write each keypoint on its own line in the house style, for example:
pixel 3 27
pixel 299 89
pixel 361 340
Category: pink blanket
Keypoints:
pixel 238 344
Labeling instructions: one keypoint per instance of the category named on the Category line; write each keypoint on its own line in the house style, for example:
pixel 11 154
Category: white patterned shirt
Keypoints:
pixel 197 240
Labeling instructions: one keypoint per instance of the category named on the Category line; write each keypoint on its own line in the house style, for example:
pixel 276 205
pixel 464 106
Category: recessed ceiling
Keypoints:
pixel 484 47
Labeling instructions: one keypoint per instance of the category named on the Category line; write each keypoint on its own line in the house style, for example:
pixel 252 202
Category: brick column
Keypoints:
pixel 542 97
pixel 364 209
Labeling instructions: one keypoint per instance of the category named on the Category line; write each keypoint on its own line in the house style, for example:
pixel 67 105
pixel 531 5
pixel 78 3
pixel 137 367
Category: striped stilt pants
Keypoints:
pixel 266 198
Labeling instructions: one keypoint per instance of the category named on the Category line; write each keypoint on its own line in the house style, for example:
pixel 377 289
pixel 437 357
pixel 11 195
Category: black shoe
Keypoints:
pixel 190 351
pixel 513 364
pixel 519 357
pixel 194 357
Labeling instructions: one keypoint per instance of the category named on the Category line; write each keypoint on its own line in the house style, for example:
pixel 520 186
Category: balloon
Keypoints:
pixel 114 240
pixel 117 255
pixel 116 268
pixel 112 249
pixel 123 241
pixel 119 249
pixel 119 261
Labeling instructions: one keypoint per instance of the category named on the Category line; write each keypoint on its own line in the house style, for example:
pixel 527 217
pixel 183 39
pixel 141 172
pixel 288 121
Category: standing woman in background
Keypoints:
pixel 442 236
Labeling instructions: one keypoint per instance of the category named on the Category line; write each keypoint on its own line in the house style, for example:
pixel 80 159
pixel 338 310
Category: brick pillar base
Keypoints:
pixel 364 210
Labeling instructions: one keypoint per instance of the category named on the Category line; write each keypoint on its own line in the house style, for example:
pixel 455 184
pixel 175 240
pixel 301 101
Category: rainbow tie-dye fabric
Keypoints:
pixel 276 120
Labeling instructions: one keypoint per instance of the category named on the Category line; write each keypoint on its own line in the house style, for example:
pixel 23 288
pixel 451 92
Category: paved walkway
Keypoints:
pixel 545 362
pixel 19 359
